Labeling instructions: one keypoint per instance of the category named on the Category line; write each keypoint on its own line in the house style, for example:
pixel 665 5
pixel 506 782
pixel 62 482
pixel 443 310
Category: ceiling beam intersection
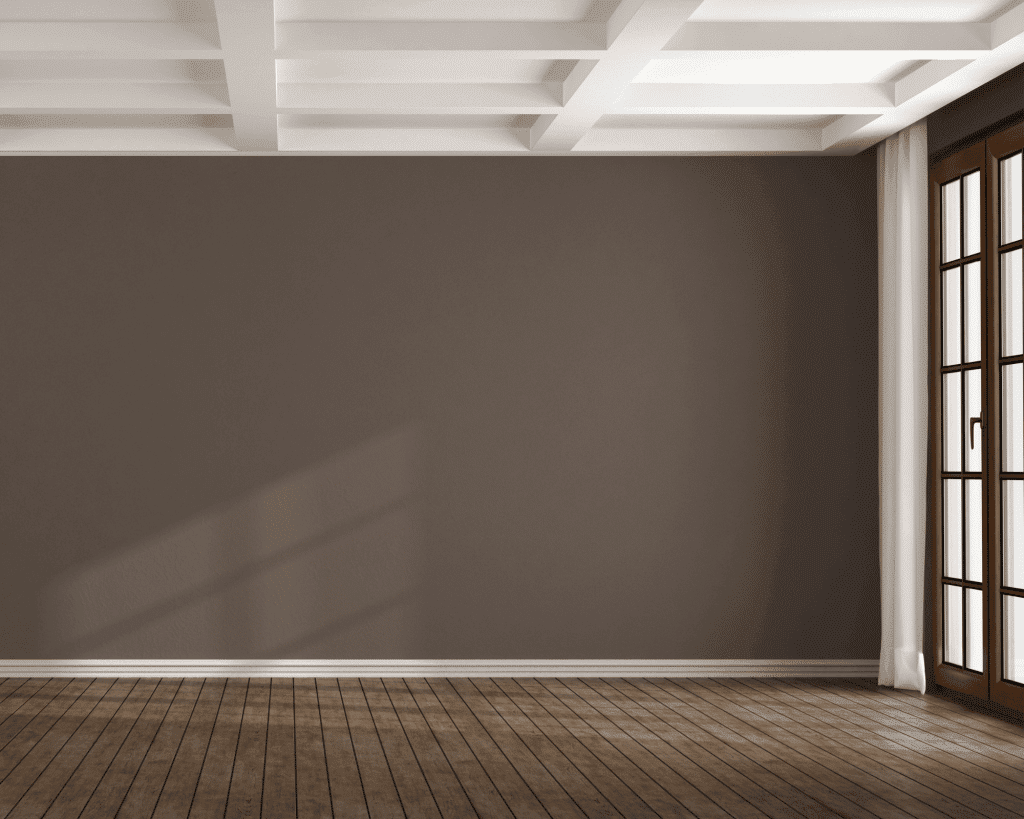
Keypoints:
pixel 637 30
pixel 247 37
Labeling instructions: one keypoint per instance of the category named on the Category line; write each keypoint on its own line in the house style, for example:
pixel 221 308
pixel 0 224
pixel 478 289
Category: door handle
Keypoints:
pixel 977 420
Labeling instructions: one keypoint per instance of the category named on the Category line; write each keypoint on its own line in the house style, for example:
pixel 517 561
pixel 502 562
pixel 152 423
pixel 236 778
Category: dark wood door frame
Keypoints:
pixel 988 685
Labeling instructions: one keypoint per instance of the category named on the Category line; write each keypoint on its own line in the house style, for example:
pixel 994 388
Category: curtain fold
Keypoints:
pixel 903 401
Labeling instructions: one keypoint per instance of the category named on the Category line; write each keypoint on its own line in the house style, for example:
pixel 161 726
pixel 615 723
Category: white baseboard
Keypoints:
pixel 438 668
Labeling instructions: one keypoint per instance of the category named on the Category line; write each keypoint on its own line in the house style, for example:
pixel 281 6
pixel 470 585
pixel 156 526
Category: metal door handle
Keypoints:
pixel 976 420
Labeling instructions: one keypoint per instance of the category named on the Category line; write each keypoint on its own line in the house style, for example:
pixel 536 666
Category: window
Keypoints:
pixel 977 409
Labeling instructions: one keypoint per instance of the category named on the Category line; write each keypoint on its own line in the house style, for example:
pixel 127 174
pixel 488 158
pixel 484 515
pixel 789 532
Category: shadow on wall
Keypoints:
pixel 318 564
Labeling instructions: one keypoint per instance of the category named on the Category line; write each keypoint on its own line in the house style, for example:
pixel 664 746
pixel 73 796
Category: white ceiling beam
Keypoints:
pixel 919 41
pixel 712 98
pixel 926 76
pixel 1008 26
pixel 450 98
pixel 930 87
pixel 81 97
pixel 636 31
pixel 134 40
pixel 512 39
pixel 402 140
pixel 702 141
pixel 116 140
pixel 846 129
pixel 247 37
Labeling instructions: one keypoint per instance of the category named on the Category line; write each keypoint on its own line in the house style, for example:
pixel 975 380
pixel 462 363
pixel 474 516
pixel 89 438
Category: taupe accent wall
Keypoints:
pixel 438 408
pixel 997 102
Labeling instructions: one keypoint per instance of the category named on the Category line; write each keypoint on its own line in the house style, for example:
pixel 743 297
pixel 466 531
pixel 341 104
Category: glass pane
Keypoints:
pixel 972 213
pixel 1013 534
pixel 972 311
pixel 952 529
pixel 951 316
pixel 977 446
pixel 1010 200
pixel 954 629
pixel 952 423
pixel 951 220
pixel 1013 324
pixel 1013 412
pixel 975 630
pixel 1013 638
pixel 972 523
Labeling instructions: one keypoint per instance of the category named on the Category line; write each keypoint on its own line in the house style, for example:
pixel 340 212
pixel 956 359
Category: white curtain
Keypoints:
pixel 903 401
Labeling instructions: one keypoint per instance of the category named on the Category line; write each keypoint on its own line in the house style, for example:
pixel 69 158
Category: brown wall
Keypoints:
pixel 435 408
pixel 996 103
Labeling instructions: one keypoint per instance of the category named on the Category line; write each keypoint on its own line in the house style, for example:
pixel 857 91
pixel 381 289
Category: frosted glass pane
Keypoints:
pixel 951 316
pixel 972 311
pixel 1010 196
pixel 973 402
pixel 954 625
pixel 952 445
pixel 972 213
pixel 975 630
pixel 1013 415
pixel 952 529
pixel 1013 304
pixel 951 220
pixel 972 523
pixel 1013 638
pixel 1013 534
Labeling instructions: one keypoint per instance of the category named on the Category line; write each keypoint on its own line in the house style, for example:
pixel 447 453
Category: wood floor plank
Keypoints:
pixel 943 772
pixel 25 696
pixel 77 790
pixel 689 783
pixel 478 748
pixel 179 789
pixel 954 711
pixel 485 798
pixel 590 800
pixel 450 796
pixel 514 791
pixel 980 727
pixel 69 738
pixel 544 785
pixel 245 796
pixel 731 747
pixel 933 730
pixel 279 792
pixel 871 794
pixel 612 772
pixel 379 790
pixel 10 685
pixel 16 744
pixel 313 790
pixel 417 798
pixel 826 787
pixel 12 722
pixel 211 790
pixel 105 800
pixel 145 790
pixel 699 750
pixel 903 778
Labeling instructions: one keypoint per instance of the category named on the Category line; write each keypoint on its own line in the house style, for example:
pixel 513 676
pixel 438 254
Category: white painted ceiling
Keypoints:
pixel 493 77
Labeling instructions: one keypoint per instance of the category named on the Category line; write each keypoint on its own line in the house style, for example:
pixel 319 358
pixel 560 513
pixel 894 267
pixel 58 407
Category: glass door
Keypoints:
pixel 1007 558
pixel 958 187
pixel 977 399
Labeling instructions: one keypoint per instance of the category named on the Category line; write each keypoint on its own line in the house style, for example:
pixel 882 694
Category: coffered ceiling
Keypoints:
pixel 492 77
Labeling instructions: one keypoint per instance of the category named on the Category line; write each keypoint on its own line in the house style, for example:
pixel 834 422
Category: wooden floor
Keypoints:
pixel 459 747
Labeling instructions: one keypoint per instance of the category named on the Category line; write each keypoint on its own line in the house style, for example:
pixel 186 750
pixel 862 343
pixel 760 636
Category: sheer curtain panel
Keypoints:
pixel 903 401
